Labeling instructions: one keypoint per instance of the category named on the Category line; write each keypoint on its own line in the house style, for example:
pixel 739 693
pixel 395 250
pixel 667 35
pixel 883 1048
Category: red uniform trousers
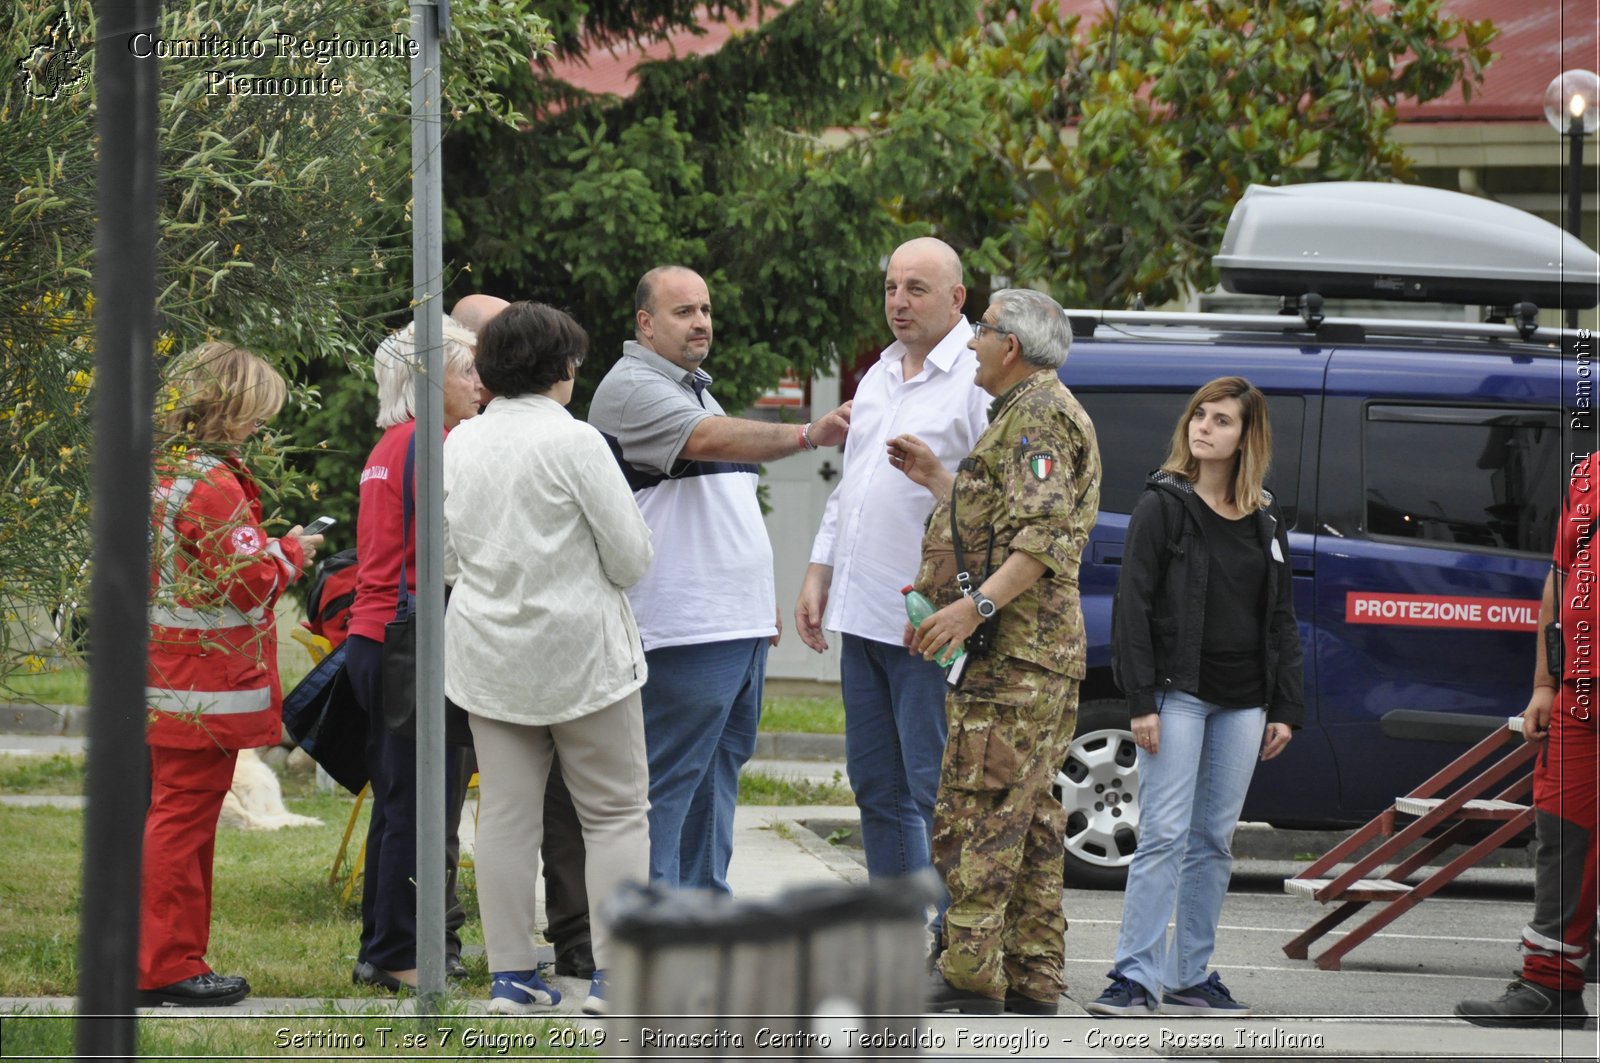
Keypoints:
pixel 1555 946
pixel 187 787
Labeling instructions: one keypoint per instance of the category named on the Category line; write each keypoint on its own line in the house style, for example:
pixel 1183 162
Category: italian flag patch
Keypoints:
pixel 1041 464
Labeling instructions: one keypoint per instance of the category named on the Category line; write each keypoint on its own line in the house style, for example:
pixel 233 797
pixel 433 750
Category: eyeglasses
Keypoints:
pixel 980 327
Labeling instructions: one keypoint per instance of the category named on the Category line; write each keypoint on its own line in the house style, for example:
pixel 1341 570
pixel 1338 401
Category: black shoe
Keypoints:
pixel 575 961
pixel 209 990
pixel 1020 1004
pixel 1527 1004
pixel 365 973
pixel 942 996
pixel 455 970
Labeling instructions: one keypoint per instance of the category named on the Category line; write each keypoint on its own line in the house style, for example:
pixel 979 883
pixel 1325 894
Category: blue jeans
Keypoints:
pixel 894 732
pixel 702 704
pixel 1190 795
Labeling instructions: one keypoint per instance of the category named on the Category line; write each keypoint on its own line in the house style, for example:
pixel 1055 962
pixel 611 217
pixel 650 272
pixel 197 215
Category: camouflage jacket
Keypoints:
pixel 1034 476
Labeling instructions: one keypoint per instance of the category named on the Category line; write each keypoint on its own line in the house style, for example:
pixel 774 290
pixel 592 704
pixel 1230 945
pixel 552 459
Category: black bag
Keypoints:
pixel 324 717
pixel 400 645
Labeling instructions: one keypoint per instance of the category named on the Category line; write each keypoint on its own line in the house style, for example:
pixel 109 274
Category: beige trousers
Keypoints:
pixel 603 761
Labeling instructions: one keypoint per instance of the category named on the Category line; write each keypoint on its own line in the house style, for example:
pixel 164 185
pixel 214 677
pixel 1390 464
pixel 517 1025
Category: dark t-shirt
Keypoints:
pixel 1230 645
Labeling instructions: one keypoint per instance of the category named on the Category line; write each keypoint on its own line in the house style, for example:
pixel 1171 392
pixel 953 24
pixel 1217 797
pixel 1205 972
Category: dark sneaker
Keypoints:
pixel 1210 997
pixel 1020 1004
pixel 520 993
pixel 364 973
pixel 575 961
pixel 209 990
pixel 942 997
pixel 455 970
pixel 1123 996
pixel 596 1004
pixel 1527 1004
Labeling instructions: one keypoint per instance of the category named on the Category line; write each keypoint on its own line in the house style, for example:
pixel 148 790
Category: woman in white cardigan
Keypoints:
pixel 542 536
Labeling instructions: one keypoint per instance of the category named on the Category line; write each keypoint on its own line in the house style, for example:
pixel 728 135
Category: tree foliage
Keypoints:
pixel 283 225
pixel 1100 161
pixel 723 163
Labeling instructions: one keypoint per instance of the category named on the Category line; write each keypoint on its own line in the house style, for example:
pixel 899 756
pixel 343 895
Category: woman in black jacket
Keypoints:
pixel 1205 647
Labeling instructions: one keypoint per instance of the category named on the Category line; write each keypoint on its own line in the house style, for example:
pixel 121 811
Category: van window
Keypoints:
pixel 1482 477
pixel 1135 427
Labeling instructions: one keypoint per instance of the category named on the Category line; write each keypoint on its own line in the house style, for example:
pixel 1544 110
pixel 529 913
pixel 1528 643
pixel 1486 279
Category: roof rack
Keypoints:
pixel 1084 322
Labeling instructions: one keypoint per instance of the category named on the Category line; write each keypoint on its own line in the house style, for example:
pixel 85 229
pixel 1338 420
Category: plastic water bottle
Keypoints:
pixel 918 609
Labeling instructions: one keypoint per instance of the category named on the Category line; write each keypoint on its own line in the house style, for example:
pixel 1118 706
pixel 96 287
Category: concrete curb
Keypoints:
pixel 28 718
pixel 836 859
pixel 785 746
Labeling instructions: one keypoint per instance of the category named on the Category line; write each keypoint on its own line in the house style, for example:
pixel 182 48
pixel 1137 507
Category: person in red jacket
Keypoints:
pixel 212 687
pixel 386 543
pixel 1561 714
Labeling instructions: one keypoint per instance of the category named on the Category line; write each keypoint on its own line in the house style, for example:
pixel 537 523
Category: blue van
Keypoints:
pixel 1420 466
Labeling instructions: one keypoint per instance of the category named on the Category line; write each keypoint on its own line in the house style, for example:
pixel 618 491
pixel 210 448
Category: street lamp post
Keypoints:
pixel 1572 107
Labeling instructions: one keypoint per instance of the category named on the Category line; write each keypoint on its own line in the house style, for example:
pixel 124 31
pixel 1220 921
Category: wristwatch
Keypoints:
pixel 986 608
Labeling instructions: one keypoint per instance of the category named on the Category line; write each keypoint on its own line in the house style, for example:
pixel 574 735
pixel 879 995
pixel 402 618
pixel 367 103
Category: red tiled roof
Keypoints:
pixel 610 70
pixel 1538 40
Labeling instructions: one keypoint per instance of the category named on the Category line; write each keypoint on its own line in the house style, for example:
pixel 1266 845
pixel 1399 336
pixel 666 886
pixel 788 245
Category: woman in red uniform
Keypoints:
pixel 212 687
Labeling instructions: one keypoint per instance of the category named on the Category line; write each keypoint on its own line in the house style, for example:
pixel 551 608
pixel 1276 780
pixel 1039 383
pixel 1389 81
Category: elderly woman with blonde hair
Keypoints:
pixel 386 546
pixel 212 686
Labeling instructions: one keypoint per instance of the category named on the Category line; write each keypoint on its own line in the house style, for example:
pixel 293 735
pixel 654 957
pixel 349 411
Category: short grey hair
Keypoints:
pixel 394 361
pixel 1038 323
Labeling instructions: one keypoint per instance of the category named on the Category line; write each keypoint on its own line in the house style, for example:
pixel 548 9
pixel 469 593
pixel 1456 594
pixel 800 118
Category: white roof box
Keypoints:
pixel 1366 240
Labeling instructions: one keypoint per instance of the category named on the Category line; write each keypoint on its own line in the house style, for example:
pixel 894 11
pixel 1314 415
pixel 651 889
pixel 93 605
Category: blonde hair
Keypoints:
pixel 1254 456
pixel 218 388
pixel 394 365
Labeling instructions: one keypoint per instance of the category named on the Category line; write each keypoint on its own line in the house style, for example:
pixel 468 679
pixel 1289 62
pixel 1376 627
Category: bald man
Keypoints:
pixel 869 546
pixel 476 310
pixel 566 900
pixel 707 608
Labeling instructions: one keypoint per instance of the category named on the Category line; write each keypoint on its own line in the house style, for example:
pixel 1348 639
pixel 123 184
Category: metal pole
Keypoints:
pixel 1575 194
pixel 125 297
pixel 427 271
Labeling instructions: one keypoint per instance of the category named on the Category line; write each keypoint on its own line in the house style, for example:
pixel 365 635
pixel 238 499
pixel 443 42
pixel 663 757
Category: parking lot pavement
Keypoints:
pixel 1392 999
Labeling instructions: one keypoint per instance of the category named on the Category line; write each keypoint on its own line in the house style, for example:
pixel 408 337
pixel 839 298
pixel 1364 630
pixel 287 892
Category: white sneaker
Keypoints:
pixel 595 1003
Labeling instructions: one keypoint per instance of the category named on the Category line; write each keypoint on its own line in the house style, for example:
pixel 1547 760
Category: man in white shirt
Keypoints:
pixel 707 607
pixel 869 547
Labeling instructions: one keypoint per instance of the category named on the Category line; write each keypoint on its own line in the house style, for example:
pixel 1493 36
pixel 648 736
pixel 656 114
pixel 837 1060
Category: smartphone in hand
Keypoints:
pixel 318 526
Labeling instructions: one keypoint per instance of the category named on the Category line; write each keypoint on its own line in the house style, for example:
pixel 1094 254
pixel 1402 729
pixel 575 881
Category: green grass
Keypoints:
pixel 760 788
pixel 805 715
pixel 68 683
pixel 276 919
pixel 59 773
pixel 372 1032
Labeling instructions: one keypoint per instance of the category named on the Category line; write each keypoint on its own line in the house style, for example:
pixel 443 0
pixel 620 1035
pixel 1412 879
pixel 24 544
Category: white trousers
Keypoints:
pixel 603 762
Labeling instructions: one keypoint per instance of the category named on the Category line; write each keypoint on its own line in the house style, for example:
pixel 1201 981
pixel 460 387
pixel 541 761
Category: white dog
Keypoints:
pixel 256 800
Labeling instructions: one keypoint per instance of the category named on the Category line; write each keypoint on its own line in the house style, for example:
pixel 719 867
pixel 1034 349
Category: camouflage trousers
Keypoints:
pixel 998 832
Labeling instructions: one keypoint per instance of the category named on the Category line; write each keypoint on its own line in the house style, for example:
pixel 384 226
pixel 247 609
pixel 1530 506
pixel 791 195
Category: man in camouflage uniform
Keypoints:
pixel 1034 478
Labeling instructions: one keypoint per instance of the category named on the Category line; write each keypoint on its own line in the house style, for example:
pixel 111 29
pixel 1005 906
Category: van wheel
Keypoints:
pixel 1099 787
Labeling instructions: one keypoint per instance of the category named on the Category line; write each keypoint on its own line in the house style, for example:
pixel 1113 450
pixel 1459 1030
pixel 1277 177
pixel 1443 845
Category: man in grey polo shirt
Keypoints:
pixel 707 608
